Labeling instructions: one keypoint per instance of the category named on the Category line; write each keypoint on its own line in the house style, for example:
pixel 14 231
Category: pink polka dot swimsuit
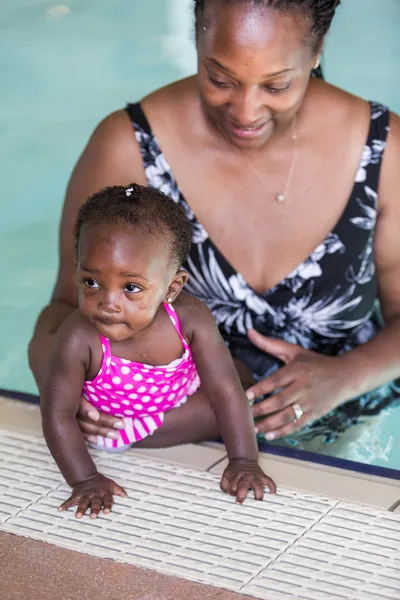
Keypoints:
pixel 140 394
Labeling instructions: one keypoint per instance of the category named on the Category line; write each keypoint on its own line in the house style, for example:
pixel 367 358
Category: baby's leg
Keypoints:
pixel 192 422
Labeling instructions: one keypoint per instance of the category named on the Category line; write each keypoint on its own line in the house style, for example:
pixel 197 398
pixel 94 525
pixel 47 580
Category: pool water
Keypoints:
pixel 65 66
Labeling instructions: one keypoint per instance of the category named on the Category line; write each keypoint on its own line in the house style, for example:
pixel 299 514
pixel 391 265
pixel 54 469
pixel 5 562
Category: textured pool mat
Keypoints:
pixel 293 546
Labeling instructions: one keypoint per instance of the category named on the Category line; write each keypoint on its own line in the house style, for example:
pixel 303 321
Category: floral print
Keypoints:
pixel 328 303
pixel 311 267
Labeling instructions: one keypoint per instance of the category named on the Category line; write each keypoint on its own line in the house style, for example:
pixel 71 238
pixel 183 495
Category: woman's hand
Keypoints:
pixel 309 384
pixel 95 493
pixel 241 475
pixel 93 423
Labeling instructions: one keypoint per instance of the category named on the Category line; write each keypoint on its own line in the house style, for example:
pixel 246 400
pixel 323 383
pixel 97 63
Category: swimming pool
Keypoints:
pixel 62 68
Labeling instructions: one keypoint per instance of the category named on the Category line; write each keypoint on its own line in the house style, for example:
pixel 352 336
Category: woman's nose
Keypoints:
pixel 247 107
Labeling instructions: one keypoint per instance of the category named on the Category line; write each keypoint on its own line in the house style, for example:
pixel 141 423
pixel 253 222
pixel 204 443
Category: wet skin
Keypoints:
pixel 124 276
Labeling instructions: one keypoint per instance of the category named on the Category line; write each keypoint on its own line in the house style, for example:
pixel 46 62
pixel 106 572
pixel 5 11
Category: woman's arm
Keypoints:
pixel 378 361
pixel 320 383
pixel 112 157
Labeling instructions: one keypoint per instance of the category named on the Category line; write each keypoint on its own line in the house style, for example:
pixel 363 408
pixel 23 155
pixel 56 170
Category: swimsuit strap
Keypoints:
pixel 175 320
pixel 105 344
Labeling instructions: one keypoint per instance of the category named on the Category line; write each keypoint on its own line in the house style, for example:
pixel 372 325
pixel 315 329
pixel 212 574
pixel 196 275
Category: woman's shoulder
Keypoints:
pixel 171 96
pixel 341 105
pixel 172 107
pixel 115 130
pixel 163 108
pixel 163 100
pixel 347 106
pixel 113 152
pixel 390 176
pixel 353 111
pixel 346 120
pixel 354 115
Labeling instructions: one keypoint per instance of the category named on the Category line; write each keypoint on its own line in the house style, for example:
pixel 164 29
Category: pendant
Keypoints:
pixel 280 198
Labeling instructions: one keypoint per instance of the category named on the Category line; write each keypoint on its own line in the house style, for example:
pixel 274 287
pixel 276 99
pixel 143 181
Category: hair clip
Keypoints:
pixel 129 191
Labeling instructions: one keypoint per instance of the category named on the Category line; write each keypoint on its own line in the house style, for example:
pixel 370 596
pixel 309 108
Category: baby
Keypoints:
pixel 141 349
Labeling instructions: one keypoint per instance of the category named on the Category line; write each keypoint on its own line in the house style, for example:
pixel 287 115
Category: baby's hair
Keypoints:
pixel 145 208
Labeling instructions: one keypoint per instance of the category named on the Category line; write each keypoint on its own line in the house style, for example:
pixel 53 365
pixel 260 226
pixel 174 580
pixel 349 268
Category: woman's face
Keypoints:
pixel 254 69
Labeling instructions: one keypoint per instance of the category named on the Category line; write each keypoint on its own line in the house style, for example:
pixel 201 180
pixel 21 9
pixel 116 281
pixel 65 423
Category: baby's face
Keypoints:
pixel 123 277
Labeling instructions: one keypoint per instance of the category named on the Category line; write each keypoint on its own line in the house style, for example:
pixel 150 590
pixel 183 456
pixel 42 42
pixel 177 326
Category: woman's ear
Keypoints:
pixel 176 285
pixel 318 54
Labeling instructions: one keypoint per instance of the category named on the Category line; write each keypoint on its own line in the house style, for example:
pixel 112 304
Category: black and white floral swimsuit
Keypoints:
pixel 327 304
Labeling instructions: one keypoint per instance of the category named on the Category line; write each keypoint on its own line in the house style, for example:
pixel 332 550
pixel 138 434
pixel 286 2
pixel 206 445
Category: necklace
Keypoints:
pixel 281 196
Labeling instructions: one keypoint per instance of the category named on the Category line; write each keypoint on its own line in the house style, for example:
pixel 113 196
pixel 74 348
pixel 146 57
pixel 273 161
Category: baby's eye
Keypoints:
pixel 132 288
pixel 91 283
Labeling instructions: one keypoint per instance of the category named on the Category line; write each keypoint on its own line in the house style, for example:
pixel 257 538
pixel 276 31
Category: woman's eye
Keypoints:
pixel 218 83
pixel 276 89
pixel 132 288
pixel 91 283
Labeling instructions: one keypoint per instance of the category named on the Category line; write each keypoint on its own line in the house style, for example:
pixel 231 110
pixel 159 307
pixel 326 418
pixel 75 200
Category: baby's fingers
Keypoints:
pixel 224 485
pixel 83 505
pixel 242 490
pixel 72 501
pixel 95 506
pixel 257 486
pixel 269 483
pixel 108 499
pixel 119 491
pixel 229 484
pixel 108 502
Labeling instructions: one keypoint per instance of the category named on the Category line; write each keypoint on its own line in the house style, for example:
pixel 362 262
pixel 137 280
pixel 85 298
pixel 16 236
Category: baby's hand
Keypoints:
pixel 95 493
pixel 241 475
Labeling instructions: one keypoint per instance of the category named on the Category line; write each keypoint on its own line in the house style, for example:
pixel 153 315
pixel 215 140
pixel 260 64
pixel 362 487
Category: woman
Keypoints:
pixel 291 185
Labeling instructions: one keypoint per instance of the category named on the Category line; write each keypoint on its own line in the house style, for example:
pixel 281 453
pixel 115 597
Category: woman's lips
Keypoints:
pixel 247 132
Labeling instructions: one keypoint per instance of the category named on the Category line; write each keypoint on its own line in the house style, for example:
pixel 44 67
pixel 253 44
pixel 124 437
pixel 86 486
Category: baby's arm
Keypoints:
pixel 222 386
pixel 60 394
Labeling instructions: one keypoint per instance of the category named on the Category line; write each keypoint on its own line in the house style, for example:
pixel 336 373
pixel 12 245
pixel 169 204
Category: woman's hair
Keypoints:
pixel 144 208
pixel 320 12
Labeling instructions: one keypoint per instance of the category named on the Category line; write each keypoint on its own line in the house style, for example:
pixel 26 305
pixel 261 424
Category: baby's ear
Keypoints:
pixel 175 287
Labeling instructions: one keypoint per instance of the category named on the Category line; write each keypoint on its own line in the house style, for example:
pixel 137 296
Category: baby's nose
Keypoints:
pixel 110 302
